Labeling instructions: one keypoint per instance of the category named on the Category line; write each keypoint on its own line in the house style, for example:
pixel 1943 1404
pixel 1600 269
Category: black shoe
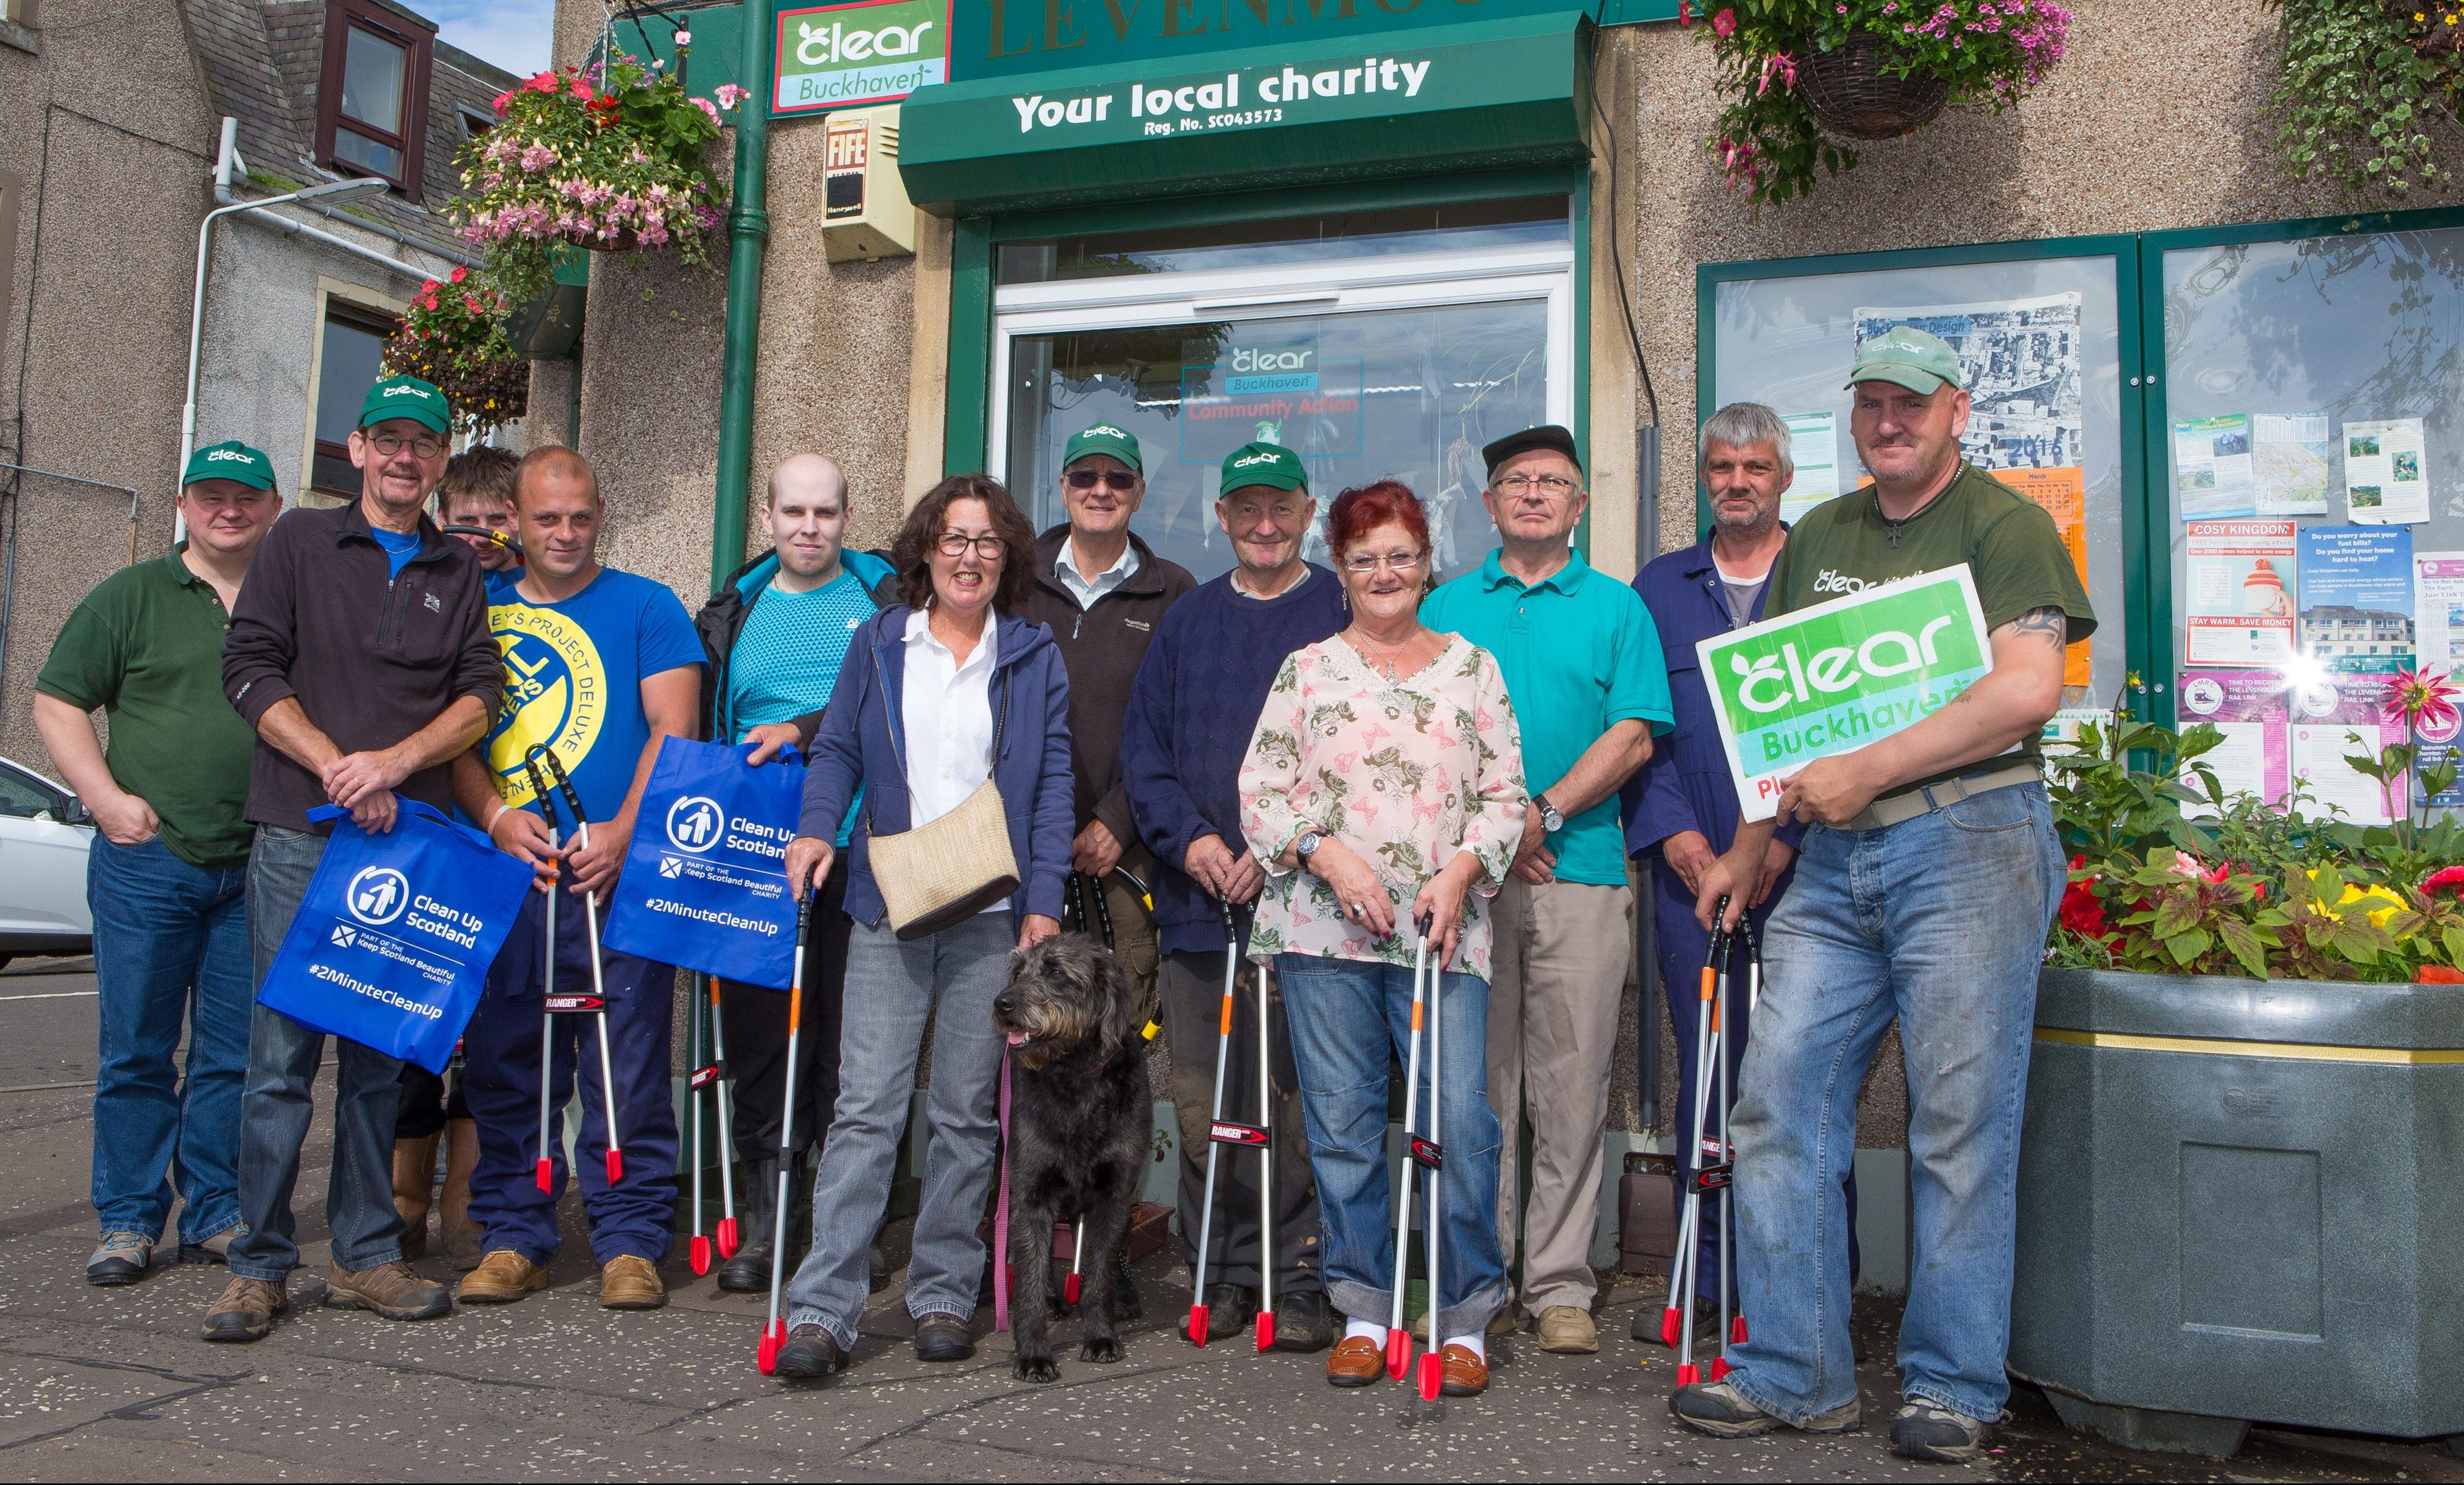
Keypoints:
pixel 877 1264
pixel 942 1337
pixel 748 1271
pixel 1229 1309
pixel 1928 1431
pixel 809 1354
pixel 1304 1322
pixel 1126 1304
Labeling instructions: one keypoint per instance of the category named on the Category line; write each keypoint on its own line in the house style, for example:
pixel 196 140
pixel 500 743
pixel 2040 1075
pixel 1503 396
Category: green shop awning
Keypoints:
pixel 1475 97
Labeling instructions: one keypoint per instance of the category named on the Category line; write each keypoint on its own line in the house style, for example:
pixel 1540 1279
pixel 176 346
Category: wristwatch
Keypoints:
pixel 1306 846
pixel 1550 819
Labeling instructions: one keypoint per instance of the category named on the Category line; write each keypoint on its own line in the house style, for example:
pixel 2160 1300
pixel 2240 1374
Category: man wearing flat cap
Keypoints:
pixel 1583 668
pixel 1929 876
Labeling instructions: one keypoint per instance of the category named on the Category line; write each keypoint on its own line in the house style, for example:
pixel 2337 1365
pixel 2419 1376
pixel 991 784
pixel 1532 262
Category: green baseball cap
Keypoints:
pixel 1905 356
pixel 230 459
pixel 405 397
pixel 1268 464
pixel 1103 438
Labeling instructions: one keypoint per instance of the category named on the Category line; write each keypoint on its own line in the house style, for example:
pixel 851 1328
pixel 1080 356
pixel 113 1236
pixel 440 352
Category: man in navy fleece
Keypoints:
pixel 1192 709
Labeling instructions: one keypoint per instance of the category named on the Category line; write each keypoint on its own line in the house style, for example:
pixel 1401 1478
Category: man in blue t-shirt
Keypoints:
pixel 600 667
pixel 774 634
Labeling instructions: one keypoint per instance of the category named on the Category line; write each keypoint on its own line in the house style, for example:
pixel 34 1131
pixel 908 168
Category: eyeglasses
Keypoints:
pixel 1400 561
pixel 1555 487
pixel 1088 478
pixel 386 445
pixel 955 543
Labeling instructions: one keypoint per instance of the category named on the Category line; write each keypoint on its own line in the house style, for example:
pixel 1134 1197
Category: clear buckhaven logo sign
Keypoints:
pixel 868 52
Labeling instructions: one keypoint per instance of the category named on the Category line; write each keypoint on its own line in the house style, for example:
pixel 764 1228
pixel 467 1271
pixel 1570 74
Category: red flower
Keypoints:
pixel 1723 22
pixel 2450 882
pixel 582 90
pixel 460 273
pixel 1684 13
pixel 2423 701
pixel 2082 910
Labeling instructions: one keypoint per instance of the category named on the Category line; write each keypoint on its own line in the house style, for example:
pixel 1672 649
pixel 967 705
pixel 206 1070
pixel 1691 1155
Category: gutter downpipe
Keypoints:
pixel 748 221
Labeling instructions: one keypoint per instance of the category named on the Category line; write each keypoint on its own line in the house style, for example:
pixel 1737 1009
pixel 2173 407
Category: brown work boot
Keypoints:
pixel 501 1277
pixel 390 1289
pixel 454 1228
pixel 630 1282
pixel 414 1180
pixel 245 1308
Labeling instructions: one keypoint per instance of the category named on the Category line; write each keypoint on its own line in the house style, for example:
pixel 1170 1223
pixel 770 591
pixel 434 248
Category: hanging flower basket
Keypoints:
pixel 453 336
pixel 1806 78
pixel 1854 93
pixel 613 158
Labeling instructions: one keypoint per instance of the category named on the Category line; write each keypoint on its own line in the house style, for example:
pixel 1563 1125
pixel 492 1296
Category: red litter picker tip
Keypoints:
pixel 1712 1164
pixel 540 756
pixel 774 1330
pixel 1399 1340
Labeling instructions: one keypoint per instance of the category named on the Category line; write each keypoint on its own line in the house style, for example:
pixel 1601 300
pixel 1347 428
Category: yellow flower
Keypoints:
pixel 2378 914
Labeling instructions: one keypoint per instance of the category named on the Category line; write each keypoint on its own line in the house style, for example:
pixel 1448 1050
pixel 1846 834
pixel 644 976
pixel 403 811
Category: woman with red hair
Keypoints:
pixel 1384 789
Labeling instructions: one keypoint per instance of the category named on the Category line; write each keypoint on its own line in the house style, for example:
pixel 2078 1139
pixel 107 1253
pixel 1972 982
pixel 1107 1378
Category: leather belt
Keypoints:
pixel 1894 808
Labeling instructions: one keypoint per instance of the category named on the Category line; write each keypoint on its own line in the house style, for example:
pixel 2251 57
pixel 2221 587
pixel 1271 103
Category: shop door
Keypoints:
pixel 1372 348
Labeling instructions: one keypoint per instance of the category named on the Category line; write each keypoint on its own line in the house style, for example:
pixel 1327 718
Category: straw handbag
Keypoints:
pixel 948 871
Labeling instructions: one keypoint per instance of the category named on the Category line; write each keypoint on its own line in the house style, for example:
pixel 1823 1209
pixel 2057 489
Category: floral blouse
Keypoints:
pixel 1403 772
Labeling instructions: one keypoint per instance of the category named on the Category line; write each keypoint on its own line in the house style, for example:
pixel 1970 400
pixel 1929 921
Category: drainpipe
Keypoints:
pixel 748 223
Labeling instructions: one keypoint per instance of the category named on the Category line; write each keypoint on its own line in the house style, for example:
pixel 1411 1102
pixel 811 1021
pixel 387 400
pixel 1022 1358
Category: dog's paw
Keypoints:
pixel 1036 1368
pixel 1100 1348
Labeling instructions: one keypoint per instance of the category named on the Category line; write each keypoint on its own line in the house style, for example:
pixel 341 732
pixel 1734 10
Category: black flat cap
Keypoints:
pixel 1547 435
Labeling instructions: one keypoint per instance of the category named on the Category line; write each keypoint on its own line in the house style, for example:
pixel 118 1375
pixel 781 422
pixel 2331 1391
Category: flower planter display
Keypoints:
pixel 1853 95
pixel 2242 1201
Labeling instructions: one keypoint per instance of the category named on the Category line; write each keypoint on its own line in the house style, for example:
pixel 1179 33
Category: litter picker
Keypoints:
pixel 596 1002
pixel 1221 1132
pixel 774 1330
pixel 1424 1153
pixel 1712 1166
pixel 714 1077
pixel 1081 888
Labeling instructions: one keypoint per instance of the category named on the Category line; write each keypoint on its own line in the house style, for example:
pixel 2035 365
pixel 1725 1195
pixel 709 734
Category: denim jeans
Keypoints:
pixel 1349 1019
pixel 280 1102
pixel 893 989
pixel 1940 921
pixel 171 944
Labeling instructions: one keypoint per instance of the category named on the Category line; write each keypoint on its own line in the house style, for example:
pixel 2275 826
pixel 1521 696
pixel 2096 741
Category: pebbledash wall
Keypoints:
pixel 2158 119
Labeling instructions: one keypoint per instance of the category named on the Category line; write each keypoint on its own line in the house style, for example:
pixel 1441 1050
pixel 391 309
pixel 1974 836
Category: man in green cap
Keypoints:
pixel 360 654
pixel 1929 876
pixel 1191 713
pixel 166 877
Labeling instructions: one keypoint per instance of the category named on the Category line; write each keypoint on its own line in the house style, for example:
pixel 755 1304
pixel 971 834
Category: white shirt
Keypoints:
pixel 947 715
pixel 1086 590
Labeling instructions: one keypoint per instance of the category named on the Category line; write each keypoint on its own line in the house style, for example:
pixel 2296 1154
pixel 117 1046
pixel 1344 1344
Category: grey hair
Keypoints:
pixel 1741 425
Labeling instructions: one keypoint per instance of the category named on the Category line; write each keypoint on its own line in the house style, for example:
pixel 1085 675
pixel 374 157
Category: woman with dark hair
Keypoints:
pixel 941 694
pixel 1384 789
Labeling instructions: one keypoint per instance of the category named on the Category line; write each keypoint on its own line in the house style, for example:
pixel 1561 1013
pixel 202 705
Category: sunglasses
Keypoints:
pixel 1120 479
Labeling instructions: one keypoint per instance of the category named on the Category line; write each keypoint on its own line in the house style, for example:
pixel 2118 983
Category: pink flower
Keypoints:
pixel 706 106
pixel 539 157
pixel 460 273
pixel 730 95
pixel 2423 701
pixel 2448 883
pixel 1725 23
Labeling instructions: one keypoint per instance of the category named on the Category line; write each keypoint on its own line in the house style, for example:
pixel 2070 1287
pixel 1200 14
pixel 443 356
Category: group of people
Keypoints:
pixel 1345 762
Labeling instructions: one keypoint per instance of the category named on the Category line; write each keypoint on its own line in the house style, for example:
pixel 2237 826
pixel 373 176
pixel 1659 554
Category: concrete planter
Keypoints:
pixel 2243 1200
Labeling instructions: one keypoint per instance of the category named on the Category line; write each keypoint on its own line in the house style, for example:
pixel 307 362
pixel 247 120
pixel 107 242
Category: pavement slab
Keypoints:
pixel 115 1385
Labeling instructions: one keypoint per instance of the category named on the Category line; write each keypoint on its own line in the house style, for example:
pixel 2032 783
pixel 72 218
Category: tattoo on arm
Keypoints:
pixel 2048 623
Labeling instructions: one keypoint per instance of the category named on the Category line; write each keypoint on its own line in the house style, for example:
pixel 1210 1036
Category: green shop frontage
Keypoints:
pixel 1384 232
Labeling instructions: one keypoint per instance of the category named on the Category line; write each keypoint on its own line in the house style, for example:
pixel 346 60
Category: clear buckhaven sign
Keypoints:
pixel 1830 679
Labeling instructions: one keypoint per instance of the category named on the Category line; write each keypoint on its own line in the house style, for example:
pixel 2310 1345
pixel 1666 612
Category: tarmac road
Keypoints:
pixel 112 1384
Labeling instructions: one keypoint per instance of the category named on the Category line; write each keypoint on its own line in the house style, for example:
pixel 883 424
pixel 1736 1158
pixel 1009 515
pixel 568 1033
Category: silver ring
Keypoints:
pixel 1356 910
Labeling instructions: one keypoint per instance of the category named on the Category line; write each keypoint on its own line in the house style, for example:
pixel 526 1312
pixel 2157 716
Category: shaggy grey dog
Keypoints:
pixel 1079 1121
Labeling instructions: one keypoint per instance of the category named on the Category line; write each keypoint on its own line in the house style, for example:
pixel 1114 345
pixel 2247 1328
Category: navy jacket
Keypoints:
pixel 863 741
pixel 1687 786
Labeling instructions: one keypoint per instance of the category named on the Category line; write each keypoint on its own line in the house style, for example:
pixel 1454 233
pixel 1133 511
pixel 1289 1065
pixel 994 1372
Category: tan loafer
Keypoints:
pixel 630 1282
pixel 1465 1375
pixel 501 1277
pixel 1567 1331
pixel 1355 1361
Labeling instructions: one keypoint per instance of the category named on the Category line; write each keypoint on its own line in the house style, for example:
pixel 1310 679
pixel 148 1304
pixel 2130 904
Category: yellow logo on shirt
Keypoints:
pixel 556 693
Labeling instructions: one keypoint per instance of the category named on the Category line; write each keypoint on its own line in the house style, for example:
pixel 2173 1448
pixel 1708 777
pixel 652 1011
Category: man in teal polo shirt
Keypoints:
pixel 1582 665
pixel 166 875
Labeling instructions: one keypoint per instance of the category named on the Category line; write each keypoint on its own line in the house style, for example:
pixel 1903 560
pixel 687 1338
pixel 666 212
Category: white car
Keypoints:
pixel 45 832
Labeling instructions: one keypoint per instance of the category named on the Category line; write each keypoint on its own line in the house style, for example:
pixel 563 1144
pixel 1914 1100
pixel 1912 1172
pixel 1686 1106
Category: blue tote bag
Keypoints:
pixel 393 940
pixel 705 880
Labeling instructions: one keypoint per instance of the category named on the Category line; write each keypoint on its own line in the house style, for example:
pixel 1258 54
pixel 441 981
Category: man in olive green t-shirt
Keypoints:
pixel 1923 893
pixel 167 873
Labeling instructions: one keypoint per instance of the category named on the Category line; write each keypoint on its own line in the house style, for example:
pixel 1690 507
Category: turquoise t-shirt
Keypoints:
pixel 787 657
pixel 573 681
pixel 1580 655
